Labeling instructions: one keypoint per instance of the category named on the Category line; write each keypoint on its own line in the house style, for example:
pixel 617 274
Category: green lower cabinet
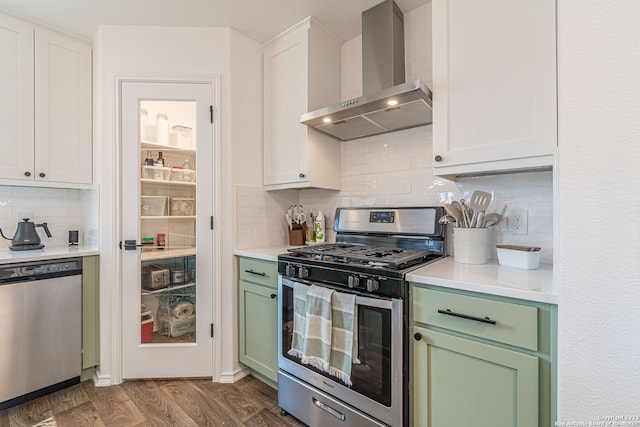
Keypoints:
pixel 258 328
pixel 90 312
pixel 459 382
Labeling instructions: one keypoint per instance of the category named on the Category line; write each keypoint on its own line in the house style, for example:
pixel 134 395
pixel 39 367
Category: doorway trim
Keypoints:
pixel 114 316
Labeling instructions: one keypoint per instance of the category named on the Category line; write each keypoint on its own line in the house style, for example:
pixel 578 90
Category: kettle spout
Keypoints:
pixel 2 234
pixel 46 228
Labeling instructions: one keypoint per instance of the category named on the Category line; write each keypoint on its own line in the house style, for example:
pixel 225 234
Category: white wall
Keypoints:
pixel 598 244
pixel 157 52
pixel 61 209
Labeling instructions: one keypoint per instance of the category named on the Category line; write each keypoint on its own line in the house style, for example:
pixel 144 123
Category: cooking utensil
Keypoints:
pixel 479 219
pixel 480 201
pixel 455 213
pixel 446 219
pixel 299 217
pixel 289 220
pixel 491 219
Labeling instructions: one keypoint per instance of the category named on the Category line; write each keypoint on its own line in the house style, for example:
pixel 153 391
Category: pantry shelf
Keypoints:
pixel 168 289
pixel 149 255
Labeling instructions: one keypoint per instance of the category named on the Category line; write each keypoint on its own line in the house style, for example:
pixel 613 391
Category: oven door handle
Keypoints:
pixel 468 317
pixel 339 415
pixel 365 301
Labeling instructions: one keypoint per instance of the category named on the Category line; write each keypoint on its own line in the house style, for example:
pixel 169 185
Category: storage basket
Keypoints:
pixel 182 175
pixel 158 173
pixel 153 205
pixel 182 206
pixel 525 257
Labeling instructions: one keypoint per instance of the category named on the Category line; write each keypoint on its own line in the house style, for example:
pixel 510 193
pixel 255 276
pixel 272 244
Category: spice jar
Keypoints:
pixel 160 240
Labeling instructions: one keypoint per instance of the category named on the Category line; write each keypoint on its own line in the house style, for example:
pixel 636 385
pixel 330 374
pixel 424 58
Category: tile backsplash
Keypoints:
pixel 61 209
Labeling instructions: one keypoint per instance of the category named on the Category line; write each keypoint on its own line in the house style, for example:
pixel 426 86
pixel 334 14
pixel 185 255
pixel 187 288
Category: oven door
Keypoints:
pixel 376 388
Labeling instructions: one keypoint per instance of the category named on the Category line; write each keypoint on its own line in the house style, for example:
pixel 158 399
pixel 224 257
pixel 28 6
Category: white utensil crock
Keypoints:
pixel 470 245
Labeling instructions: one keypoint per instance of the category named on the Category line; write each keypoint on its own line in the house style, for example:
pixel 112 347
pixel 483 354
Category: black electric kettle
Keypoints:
pixel 26 237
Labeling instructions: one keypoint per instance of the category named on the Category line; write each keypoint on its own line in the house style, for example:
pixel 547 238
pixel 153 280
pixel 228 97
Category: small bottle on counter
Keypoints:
pixel 319 226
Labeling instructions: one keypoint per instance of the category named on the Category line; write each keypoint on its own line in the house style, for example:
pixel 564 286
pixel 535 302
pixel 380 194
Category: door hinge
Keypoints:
pixel 212 330
pixel 211 112
pixel 211 225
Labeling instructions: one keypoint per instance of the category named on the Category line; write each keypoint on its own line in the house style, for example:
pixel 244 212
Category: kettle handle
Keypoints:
pixel 46 228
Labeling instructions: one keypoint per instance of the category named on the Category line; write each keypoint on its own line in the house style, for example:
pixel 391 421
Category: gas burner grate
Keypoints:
pixel 374 256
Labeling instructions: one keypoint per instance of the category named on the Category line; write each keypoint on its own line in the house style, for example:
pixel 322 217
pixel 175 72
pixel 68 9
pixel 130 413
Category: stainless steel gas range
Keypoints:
pixel 375 248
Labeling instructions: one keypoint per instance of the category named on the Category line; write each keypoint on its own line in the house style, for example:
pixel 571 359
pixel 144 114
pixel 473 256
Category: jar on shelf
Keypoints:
pixel 162 129
pixel 144 122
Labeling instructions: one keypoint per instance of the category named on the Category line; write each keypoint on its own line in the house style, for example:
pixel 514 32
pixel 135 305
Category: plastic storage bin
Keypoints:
pixel 158 173
pixel 182 206
pixel 181 137
pixel 182 175
pixel 525 257
pixel 153 205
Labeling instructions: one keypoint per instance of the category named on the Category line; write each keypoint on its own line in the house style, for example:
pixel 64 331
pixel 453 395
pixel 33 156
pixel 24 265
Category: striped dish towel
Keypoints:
pixel 324 323
pixel 299 319
pixel 342 340
pixel 318 328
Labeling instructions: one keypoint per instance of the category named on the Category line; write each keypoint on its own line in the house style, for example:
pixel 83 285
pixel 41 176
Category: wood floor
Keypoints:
pixel 143 403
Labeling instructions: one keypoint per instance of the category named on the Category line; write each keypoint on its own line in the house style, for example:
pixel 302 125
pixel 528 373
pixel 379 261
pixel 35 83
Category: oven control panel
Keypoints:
pixel 336 278
pixel 387 217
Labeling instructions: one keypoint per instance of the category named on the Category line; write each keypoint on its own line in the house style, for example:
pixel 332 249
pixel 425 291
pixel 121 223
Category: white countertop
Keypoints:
pixel 490 278
pixel 267 254
pixel 7 256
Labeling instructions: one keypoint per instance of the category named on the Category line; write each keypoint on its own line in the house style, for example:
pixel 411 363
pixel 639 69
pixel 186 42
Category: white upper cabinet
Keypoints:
pixel 45 108
pixel 494 85
pixel 301 73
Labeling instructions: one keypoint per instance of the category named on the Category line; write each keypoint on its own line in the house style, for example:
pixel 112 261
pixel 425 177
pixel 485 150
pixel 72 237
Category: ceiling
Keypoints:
pixel 258 19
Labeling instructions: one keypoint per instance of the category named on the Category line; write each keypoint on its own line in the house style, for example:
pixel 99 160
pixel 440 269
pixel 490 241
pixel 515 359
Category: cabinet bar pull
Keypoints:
pixel 466 316
pixel 257 273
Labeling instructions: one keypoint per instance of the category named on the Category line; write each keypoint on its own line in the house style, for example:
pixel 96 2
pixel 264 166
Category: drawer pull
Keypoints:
pixel 466 316
pixel 273 296
pixel 257 273
pixel 417 336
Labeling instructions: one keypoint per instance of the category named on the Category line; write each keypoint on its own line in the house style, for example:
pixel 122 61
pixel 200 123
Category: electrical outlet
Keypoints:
pixel 518 222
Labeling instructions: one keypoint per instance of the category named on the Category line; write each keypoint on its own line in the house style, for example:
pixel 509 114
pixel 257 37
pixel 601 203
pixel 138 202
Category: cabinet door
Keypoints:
pixel 494 78
pixel 63 150
pixel 258 325
pixel 285 100
pixel 16 101
pixel 459 382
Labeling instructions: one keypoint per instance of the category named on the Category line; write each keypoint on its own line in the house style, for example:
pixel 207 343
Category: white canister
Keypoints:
pixel 162 129
pixel 470 245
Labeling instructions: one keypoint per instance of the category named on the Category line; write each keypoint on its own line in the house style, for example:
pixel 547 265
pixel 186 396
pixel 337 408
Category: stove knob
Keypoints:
pixel 303 272
pixel 354 281
pixel 290 270
pixel 372 285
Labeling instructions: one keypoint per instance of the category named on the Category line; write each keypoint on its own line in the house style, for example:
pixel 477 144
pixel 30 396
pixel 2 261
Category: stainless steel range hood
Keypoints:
pixel 388 104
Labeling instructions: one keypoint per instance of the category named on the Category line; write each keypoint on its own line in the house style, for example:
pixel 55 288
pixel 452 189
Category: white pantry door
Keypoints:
pixel 167 237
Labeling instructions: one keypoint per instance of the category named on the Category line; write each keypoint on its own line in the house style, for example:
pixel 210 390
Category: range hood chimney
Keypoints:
pixel 388 103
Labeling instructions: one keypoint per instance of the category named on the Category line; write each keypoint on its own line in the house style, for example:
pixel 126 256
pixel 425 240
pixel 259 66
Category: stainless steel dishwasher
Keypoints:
pixel 40 328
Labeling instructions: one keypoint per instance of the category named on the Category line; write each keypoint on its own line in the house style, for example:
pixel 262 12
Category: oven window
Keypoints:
pixel 372 376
